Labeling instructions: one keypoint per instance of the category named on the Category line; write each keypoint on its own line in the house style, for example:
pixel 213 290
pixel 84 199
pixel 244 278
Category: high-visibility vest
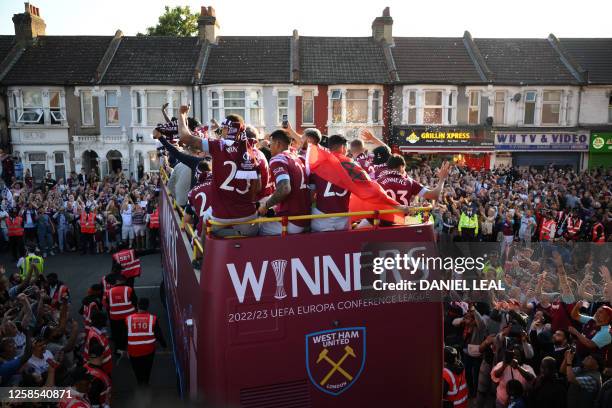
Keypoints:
pixel 599 233
pixel 74 401
pixel 457 388
pixel 130 265
pixel 468 222
pixel 107 358
pixel 140 336
pixel 35 260
pixel 120 303
pixel 88 225
pixel 106 287
pixel 59 294
pixel 15 226
pixel 154 220
pixel 87 312
pixel 573 226
pixel 105 379
pixel 546 232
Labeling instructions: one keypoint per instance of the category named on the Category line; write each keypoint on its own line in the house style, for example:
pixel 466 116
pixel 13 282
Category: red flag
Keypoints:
pixel 366 195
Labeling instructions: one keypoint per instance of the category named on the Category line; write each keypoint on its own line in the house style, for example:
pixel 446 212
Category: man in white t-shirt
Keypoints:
pixel 39 362
pixel 127 229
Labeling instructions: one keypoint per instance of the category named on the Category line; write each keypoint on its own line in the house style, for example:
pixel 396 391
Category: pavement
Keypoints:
pixel 79 272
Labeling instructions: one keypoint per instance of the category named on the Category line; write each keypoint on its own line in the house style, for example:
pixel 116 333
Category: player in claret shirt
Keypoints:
pixel 402 188
pixel 198 205
pixel 292 196
pixel 235 175
pixel 329 197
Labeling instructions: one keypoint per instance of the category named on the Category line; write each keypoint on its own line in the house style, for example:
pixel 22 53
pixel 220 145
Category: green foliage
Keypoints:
pixel 177 21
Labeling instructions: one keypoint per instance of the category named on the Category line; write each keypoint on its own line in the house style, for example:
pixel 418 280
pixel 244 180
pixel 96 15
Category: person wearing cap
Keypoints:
pixel 455 391
pixel 595 335
pixel 142 332
pixel 77 397
pixel 584 381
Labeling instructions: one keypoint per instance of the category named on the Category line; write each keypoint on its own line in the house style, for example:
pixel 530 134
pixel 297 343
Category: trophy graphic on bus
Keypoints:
pixel 279 266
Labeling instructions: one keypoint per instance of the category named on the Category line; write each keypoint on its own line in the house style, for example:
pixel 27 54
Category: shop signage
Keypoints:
pixel 427 138
pixel 552 142
pixel 601 142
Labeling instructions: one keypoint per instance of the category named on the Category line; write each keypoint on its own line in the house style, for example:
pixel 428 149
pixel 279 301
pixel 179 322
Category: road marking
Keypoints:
pixel 147 287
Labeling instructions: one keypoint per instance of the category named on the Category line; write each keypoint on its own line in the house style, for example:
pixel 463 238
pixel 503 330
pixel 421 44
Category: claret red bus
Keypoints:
pixel 289 321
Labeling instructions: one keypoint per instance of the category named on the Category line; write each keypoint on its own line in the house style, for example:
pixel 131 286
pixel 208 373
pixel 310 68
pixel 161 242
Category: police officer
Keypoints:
pixel 468 225
pixel 142 332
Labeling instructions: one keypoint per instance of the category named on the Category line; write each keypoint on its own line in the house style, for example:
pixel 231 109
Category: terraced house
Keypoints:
pixel 75 103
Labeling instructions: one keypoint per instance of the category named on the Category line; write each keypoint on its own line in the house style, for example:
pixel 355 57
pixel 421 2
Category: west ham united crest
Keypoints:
pixel 335 358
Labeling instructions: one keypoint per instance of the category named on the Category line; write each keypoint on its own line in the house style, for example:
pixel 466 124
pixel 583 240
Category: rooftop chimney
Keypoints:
pixel 29 24
pixel 208 26
pixel 382 27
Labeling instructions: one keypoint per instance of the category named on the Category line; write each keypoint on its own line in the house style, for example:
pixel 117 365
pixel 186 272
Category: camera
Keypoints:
pixel 285 122
pixel 508 356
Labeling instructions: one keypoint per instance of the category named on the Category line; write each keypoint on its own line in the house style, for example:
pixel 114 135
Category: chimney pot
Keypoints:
pixel 295 34
pixel 211 11
pixel 203 11
pixel 386 12
pixel 208 26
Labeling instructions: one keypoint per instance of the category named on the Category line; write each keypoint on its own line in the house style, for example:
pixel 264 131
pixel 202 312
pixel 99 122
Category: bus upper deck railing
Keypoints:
pixel 198 246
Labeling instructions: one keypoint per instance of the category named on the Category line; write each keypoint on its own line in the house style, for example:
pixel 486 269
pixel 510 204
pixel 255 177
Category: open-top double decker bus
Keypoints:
pixel 291 321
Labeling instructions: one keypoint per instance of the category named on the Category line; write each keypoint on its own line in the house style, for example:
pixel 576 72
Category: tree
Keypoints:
pixel 177 21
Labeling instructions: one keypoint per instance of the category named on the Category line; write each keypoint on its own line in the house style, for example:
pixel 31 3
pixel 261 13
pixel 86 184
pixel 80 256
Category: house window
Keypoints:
pixel 38 163
pixel 233 103
pixel 499 109
pixel 282 101
pixel 139 108
pixel 474 108
pixel 610 107
pixel 112 108
pixel 14 108
pixel 60 167
pixel 255 111
pixel 357 106
pixel 412 108
pixel 176 103
pixel 530 104
pixel 87 108
pixel 308 107
pixel 153 161
pixel 155 101
pixel 449 110
pixel 375 106
pixel 432 113
pixel 55 108
pixel 33 111
pixel 336 98
pixel 214 105
pixel 551 107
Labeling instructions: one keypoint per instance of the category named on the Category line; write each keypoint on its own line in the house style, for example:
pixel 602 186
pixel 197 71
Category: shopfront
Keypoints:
pixel 469 147
pixel 600 150
pixel 538 150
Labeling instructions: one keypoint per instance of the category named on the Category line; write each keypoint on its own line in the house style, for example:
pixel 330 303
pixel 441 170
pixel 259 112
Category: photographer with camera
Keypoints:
pixel 511 368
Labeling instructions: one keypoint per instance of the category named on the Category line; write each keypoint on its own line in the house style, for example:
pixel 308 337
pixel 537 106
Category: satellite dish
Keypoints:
pixel 516 97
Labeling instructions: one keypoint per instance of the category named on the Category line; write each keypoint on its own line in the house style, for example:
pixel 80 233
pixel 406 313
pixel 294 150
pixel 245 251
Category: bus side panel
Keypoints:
pixel 182 295
pixel 269 297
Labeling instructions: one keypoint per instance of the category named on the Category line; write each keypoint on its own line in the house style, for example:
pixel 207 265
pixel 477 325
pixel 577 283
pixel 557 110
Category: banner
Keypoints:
pixel 436 138
pixel 601 142
pixel 550 142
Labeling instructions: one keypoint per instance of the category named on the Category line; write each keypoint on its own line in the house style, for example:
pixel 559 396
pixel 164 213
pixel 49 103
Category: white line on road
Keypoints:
pixel 147 287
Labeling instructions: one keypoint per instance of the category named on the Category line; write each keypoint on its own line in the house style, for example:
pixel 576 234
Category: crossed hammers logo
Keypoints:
pixel 336 366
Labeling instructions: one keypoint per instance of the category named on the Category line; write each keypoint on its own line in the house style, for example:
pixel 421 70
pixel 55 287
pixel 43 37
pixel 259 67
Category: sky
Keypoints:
pixel 427 18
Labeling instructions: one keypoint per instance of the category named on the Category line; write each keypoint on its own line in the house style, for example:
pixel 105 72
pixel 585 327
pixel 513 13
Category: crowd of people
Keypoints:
pixel 42 343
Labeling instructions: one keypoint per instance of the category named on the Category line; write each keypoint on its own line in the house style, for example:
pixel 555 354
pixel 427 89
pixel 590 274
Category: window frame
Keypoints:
pixel 496 103
pixel 82 98
pixel 107 107
pixel 251 106
pixel 441 106
pixel 39 110
pixel 610 107
pixel 411 106
pixel 545 103
pixel 473 108
pixel 279 108
pixel 535 104
pixel 360 100
pixel 154 108
pixel 312 106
